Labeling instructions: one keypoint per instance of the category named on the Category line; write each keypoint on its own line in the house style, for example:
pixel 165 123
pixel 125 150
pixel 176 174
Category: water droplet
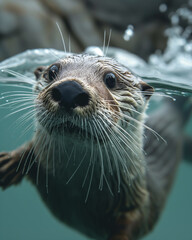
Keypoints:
pixel 188 47
pixel 94 50
pixel 129 32
pixel 163 8
pixel 174 19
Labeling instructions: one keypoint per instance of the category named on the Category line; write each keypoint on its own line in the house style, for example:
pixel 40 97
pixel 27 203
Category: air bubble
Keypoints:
pixel 188 47
pixel 129 32
pixel 163 8
pixel 175 20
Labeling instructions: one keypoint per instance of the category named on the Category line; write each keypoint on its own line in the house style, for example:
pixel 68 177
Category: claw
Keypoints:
pixel 4 158
pixel 3 154
pixel 9 162
pixel 8 167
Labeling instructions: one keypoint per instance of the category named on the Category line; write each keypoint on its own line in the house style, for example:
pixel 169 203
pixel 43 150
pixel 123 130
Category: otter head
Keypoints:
pixel 89 97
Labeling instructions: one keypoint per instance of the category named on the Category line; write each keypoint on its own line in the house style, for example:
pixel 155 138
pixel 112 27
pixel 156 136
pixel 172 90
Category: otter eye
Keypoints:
pixel 53 71
pixel 110 80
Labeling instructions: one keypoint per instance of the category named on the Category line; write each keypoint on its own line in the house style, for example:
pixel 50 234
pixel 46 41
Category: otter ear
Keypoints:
pixel 146 89
pixel 38 72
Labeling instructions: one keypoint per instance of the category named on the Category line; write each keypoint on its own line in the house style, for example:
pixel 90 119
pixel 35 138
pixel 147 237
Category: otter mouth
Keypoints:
pixel 66 127
pixel 71 129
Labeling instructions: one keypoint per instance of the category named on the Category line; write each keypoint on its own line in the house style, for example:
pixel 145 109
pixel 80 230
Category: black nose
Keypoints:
pixel 70 94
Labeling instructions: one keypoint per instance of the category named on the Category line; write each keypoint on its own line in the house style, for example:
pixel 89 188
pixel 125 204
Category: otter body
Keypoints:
pixel 87 156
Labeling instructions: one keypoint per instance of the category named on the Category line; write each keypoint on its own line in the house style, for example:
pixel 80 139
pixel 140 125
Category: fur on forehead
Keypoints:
pixel 97 64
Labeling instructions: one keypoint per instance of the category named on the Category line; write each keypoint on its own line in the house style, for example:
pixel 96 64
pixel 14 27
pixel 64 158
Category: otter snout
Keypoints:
pixel 70 94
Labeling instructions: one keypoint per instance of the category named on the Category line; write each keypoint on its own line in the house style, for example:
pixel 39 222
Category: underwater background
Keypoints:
pixel 22 213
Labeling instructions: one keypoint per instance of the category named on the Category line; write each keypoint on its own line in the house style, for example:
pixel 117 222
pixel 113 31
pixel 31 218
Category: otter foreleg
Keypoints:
pixel 128 226
pixel 14 165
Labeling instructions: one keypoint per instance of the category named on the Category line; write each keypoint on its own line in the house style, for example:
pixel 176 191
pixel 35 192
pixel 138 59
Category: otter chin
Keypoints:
pixel 87 157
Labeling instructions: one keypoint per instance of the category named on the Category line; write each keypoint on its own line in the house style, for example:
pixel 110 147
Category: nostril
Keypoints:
pixel 56 95
pixel 82 99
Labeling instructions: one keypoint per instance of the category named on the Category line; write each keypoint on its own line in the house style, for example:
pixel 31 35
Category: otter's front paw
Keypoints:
pixel 8 170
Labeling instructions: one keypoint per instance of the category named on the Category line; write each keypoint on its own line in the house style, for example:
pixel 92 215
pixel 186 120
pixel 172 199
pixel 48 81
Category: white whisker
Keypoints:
pixel 62 38
pixel 104 39
pixel 109 38
pixel 20 76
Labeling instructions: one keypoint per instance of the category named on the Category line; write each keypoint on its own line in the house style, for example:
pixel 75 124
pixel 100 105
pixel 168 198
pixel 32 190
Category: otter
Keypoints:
pixel 94 158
